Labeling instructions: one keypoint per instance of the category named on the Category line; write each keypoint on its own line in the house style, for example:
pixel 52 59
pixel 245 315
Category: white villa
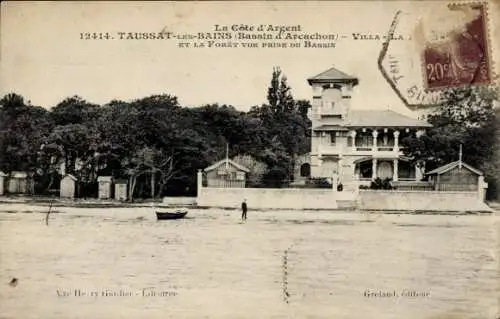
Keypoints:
pixel 356 144
pixel 355 147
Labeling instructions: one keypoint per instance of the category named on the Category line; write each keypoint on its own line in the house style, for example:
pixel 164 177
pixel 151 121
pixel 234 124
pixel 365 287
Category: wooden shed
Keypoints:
pixel 455 176
pixel 226 173
pixel 68 186
pixel 105 187
pixel 2 182
pixel 18 183
pixel 121 190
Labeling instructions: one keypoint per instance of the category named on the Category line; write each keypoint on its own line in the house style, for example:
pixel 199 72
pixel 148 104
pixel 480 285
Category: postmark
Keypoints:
pixel 448 47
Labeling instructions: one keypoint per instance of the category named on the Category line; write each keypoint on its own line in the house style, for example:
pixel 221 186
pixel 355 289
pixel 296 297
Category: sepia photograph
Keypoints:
pixel 250 159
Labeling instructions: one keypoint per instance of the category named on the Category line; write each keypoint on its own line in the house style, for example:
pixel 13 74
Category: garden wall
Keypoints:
pixel 420 201
pixel 279 198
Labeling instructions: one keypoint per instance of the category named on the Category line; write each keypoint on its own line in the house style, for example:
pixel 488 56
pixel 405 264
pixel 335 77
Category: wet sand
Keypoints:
pixel 123 263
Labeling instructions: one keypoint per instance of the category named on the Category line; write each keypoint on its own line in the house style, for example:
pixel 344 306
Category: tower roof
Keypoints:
pixel 333 75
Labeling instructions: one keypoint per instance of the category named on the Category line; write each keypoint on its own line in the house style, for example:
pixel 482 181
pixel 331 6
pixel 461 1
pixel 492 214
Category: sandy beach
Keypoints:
pixel 123 263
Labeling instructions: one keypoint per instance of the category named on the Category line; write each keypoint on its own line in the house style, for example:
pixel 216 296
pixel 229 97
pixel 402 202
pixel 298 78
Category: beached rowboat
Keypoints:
pixel 171 215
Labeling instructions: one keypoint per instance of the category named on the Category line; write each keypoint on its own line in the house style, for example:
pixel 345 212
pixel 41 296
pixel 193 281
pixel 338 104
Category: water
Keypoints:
pixel 211 266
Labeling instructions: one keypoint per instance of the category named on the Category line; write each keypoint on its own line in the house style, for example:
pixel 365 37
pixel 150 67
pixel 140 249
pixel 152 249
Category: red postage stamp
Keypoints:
pixel 457 54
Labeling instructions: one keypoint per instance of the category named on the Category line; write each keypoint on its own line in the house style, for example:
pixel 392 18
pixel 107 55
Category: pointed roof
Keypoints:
pixel 219 163
pixel 382 118
pixel 332 75
pixel 452 165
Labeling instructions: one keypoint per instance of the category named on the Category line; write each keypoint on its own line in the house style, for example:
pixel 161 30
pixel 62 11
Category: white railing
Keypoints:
pixel 374 149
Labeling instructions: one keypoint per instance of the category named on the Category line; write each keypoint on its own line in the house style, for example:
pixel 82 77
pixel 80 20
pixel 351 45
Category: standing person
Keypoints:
pixel 244 210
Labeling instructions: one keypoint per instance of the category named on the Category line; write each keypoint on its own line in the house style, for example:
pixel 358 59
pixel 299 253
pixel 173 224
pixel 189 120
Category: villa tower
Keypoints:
pixel 356 145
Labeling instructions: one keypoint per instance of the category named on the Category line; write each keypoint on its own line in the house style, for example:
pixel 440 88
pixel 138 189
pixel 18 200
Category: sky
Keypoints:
pixel 44 58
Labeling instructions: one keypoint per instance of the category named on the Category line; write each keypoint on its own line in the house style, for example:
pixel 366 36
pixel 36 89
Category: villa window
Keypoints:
pixel 364 140
pixel 349 141
pixel 328 105
pixel 365 169
pixel 305 170
pixel 333 138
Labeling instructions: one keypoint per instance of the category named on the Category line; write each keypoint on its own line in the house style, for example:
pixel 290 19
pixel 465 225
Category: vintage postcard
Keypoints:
pixel 250 159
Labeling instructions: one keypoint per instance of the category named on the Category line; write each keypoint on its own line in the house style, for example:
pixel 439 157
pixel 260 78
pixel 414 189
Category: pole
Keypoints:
pixel 227 155
pixel 460 157
pixel 153 183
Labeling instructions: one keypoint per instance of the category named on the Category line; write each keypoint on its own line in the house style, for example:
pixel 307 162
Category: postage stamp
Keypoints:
pixel 448 46
pixel 456 51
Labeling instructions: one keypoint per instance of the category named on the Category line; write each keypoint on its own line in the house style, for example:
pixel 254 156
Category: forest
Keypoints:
pixel 153 142
pixel 158 145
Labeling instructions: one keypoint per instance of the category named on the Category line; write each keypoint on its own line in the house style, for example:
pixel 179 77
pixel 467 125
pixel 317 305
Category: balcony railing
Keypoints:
pixel 336 149
pixel 370 148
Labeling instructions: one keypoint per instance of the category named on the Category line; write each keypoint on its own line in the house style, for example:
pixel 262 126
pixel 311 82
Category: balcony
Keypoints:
pixel 366 149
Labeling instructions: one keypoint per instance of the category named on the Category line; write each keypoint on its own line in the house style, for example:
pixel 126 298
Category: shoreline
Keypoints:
pixel 96 203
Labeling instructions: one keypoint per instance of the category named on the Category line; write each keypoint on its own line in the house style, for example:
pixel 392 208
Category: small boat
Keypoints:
pixel 171 215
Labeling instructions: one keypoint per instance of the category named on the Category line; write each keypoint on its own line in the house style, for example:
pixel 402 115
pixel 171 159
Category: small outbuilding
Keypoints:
pixel 2 182
pixel 226 173
pixel 68 186
pixel 105 187
pixel 456 176
pixel 121 190
pixel 18 183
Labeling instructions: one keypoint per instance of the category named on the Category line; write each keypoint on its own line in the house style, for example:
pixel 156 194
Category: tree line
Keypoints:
pixel 469 117
pixel 157 145
pixel 153 142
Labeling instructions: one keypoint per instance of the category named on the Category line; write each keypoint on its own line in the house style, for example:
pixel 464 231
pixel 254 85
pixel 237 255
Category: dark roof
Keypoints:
pixel 382 118
pixel 219 163
pixel 332 75
pixel 452 165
